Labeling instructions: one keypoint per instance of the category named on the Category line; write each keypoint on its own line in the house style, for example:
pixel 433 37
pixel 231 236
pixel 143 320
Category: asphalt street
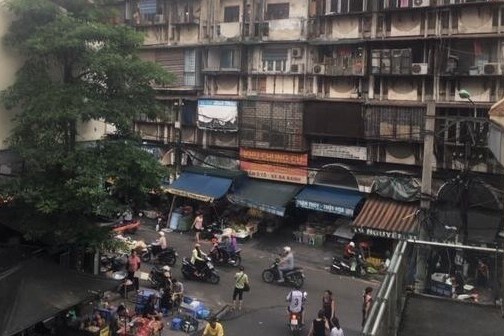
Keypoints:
pixel 264 310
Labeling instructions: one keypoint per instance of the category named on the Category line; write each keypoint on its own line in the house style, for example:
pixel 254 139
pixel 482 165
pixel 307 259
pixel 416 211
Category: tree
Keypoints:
pixel 77 68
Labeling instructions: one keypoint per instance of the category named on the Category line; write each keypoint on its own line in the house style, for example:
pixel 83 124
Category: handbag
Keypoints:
pixel 246 285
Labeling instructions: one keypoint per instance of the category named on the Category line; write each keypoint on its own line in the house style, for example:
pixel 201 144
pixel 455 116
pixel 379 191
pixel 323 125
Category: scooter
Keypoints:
pixel 294 277
pixel 295 323
pixel 166 257
pixel 113 263
pixel 207 272
pixel 220 256
pixel 354 266
pixel 211 231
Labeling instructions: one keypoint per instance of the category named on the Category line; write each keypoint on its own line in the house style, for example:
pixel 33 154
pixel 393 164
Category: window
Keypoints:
pixel 190 65
pixel 228 59
pixel 274 59
pixel 232 14
pixel 277 11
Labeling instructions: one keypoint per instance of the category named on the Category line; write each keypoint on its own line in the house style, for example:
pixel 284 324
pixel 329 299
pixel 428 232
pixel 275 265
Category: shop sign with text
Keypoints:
pixel 267 156
pixel 384 234
pixel 274 172
pixel 339 152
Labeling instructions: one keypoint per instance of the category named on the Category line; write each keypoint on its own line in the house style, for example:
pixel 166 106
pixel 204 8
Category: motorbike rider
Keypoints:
pixel 127 216
pixel 167 280
pixel 198 259
pixel 297 300
pixel 286 263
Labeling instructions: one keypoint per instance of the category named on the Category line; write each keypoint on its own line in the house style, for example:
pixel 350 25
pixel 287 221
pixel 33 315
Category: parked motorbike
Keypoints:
pixel 114 263
pixel 294 277
pixel 354 266
pixel 166 257
pixel 220 256
pixel 157 277
pixel 211 231
pixel 207 272
pixel 295 323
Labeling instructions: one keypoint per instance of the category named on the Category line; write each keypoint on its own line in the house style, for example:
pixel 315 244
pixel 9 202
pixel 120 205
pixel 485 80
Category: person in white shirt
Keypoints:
pixel 296 300
pixel 162 241
pixel 336 329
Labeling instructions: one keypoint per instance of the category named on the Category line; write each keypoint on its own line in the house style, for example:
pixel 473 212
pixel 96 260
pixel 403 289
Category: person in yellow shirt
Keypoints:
pixel 213 328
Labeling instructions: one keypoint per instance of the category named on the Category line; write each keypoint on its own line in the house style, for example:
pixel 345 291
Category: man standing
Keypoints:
pixel 241 279
pixel 133 264
pixel 367 302
pixel 213 328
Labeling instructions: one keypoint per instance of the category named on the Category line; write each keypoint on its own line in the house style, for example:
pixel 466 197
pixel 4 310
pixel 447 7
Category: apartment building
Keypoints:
pixel 343 80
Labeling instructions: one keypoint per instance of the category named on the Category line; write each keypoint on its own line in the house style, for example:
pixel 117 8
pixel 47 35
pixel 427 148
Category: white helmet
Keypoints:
pixel 161 233
pixel 287 249
pixel 166 268
pixel 352 244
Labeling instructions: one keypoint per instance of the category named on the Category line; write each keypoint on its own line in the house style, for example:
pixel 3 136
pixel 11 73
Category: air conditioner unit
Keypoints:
pixel 159 18
pixel 421 3
pixel 319 69
pixel 419 68
pixel 491 69
pixel 297 52
pixel 297 68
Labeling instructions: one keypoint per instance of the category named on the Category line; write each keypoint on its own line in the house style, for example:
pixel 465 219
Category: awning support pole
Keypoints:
pixel 171 211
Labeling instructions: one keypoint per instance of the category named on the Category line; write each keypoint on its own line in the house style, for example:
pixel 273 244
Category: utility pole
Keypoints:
pixel 425 199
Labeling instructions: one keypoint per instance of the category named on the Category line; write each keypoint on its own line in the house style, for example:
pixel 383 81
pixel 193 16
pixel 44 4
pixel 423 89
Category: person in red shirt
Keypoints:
pixel 133 264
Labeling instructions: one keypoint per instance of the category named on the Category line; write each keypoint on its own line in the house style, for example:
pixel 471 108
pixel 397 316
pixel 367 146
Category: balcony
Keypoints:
pixel 222 61
pixel 185 18
pixel 147 20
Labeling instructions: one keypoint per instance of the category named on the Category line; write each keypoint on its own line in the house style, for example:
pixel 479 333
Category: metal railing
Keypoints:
pixel 385 314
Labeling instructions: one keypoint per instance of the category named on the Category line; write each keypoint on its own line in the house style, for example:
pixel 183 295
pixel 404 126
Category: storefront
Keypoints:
pixel 198 187
pixel 275 177
pixel 332 210
pixel 382 222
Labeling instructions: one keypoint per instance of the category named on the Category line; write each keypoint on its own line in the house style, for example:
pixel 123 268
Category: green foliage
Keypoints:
pixel 77 68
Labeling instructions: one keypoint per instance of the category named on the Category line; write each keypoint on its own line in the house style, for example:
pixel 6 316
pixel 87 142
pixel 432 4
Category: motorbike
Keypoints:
pixel 207 272
pixel 157 278
pixel 220 256
pixel 353 266
pixel 293 277
pixel 166 257
pixel 211 231
pixel 295 323
pixel 113 263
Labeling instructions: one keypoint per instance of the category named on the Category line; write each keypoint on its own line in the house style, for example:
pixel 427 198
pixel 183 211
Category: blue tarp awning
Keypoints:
pixel 202 187
pixel 327 199
pixel 271 197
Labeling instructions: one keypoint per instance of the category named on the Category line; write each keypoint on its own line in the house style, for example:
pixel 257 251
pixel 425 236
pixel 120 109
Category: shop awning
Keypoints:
pixel 387 218
pixel 35 290
pixel 202 187
pixel 333 200
pixel 266 196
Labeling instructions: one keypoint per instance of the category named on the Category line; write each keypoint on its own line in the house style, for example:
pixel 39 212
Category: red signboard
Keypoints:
pixel 267 156
pixel 275 166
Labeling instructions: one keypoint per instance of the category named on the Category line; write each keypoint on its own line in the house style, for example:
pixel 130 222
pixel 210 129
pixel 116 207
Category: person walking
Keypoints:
pixel 319 325
pixel 329 306
pixel 336 329
pixel 198 225
pixel 367 302
pixel 241 281
pixel 213 328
